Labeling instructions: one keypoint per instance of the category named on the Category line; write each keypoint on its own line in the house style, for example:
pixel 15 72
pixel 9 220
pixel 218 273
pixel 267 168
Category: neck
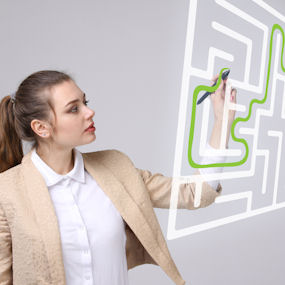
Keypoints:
pixel 59 160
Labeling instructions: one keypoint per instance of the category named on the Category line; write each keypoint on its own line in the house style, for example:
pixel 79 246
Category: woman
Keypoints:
pixel 68 217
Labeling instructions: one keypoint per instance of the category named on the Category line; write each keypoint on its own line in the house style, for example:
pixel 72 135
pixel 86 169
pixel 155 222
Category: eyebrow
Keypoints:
pixel 75 100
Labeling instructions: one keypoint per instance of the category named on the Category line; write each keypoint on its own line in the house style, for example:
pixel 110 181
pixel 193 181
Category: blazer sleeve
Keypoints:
pixel 5 251
pixel 159 189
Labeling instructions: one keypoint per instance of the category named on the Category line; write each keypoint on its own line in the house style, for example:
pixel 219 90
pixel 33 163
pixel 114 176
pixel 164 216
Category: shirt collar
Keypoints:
pixel 51 177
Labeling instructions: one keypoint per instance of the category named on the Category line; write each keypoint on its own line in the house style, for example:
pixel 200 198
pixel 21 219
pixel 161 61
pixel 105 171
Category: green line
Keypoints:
pixel 239 119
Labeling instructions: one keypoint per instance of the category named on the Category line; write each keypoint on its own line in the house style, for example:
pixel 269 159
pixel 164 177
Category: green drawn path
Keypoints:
pixel 239 119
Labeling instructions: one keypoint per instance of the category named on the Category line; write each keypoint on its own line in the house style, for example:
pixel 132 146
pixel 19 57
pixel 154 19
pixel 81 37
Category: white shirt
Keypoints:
pixel 92 231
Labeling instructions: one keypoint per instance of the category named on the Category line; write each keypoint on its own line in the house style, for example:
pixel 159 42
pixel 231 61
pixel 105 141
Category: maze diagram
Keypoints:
pixel 249 39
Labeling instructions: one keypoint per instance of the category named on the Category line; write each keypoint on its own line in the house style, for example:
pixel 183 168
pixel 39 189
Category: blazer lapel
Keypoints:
pixel 125 204
pixel 46 218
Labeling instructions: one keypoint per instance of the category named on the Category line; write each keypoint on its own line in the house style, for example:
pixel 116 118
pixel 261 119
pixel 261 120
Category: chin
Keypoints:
pixel 92 138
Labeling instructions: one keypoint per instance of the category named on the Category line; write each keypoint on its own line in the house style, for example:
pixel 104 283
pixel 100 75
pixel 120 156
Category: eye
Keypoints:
pixel 76 108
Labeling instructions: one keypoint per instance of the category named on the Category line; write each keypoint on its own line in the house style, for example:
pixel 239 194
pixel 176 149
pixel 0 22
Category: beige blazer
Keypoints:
pixel 30 245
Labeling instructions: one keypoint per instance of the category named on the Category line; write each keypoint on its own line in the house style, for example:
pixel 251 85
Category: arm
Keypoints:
pixel 159 189
pixel 159 186
pixel 217 99
pixel 214 144
pixel 5 251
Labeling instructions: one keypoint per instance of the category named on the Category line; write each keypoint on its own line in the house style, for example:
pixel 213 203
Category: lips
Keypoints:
pixel 90 126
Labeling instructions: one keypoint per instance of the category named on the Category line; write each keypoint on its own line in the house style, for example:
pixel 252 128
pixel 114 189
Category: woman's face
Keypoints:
pixel 73 116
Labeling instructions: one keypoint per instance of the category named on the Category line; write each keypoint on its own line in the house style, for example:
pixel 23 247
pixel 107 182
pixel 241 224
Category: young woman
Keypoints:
pixel 68 217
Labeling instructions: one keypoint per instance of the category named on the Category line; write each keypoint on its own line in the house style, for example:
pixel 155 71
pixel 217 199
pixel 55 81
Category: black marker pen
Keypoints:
pixel 224 76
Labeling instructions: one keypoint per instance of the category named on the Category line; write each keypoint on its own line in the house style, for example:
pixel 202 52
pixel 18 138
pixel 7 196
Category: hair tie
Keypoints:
pixel 13 99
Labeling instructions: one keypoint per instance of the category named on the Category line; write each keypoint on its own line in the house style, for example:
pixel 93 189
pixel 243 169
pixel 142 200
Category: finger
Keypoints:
pixel 222 86
pixel 214 78
pixel 225 84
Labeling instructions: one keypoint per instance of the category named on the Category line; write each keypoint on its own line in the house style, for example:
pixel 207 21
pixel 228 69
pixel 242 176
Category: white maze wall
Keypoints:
pixel 232 35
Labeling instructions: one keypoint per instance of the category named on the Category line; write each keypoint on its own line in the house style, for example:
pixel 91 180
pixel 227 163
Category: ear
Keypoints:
pixel 40 127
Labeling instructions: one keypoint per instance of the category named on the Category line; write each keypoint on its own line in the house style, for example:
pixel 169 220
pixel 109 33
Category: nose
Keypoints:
pixel 90 112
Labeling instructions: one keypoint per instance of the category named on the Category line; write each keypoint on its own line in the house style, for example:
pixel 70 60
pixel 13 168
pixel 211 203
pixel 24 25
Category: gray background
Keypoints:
pixel 128 56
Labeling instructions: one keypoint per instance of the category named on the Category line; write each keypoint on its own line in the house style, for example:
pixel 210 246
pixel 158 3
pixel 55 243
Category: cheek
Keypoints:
pixel 69 125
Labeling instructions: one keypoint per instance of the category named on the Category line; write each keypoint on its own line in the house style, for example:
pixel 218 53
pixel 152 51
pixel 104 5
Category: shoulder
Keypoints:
pixel 10 174
pixel 111 158
pixel 107 154
pixel 9 179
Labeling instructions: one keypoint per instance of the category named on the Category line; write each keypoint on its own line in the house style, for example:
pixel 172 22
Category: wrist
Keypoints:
pixel 219 121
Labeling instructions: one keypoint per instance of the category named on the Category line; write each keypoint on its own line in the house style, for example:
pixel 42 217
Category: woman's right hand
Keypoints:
pixel 218 100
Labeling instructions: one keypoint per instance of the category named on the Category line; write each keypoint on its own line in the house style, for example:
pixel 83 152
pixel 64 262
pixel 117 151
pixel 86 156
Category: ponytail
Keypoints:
pixel 11 148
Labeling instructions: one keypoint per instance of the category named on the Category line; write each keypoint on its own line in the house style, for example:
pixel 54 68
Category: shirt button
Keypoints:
pixel 85 251
pixel 81 227
pixel 87 277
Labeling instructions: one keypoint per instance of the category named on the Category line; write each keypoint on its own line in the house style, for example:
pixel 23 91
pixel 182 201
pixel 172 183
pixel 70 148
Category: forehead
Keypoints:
pixel 64 92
